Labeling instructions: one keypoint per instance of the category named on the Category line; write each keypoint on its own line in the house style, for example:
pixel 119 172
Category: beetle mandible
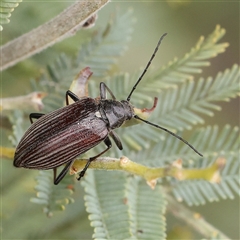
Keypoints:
pixel 59 137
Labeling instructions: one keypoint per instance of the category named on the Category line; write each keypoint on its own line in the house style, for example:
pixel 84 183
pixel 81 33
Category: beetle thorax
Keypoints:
pixel 115 113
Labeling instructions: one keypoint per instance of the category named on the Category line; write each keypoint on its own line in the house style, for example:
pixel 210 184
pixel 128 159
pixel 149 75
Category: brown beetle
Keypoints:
pixel 59 137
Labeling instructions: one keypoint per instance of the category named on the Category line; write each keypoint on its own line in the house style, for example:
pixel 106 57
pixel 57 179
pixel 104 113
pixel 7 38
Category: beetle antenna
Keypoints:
pixel 166 130
pixel 146 68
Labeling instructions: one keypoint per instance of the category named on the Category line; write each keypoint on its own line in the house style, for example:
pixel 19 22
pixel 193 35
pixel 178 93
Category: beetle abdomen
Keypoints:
pixel 61 136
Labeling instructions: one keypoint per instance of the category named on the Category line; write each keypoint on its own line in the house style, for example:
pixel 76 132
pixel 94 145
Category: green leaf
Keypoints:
pixel 124 208
pixel 104 202
pixel 52 197
pixel 102 51
pixel 146 209
pixel 18 127
pixel 213 144
pixel 180 70
pixel 100 54
pixel 6 7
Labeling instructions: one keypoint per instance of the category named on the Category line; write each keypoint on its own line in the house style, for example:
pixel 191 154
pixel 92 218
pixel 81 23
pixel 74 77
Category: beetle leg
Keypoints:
pixel 35 115
pixel 109 145
pixel 116 139
pixel 73 96
pixel 103 94
pixel 61 175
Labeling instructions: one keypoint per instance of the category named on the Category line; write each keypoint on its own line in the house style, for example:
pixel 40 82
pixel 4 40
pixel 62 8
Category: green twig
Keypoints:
pixel 150 174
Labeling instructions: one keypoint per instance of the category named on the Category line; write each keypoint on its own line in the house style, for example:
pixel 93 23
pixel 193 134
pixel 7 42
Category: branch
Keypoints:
pixel 211 173
pixel 195 220
pixel 6 152
pixel 62 26
pixel 32 100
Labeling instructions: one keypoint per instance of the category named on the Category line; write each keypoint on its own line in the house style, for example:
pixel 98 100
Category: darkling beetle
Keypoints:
pixel 61 136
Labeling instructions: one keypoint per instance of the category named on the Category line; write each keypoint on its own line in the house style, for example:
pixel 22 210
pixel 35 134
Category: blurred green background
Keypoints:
pixel 184 23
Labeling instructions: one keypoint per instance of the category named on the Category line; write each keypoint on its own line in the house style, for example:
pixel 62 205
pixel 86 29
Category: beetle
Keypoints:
pixel 59 137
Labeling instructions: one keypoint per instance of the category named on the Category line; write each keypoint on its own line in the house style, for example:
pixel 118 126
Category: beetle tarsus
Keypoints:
pixel 73 96
pixel 81 174
pixel 35 115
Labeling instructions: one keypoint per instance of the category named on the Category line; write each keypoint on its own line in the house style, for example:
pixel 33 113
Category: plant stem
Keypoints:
pixel 62 26
pixel 211 173
pixel 195 220
pixel 32 100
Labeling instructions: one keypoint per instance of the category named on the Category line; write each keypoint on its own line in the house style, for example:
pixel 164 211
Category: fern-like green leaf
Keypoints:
pixel 18 127
pixel 103 50
pixel 57 80
pixel 53 197
pixel 6 7
pixel 99 54
pixel 199 191
pixel 224 144
pixel 207 140
pixel 124 208
pixel 146 209
pixel 160 79
pixel 105 203
pixel 179 70
pixel 177 107
pixel 212 144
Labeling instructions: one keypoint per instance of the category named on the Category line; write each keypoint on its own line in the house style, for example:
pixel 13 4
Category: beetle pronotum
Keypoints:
pixel 59 137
